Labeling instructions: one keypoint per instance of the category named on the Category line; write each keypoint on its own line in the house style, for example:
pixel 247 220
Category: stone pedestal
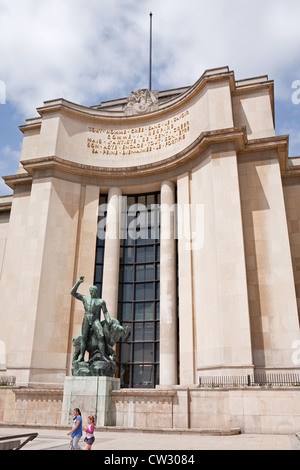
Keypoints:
pixel 97 368
pixel 92 395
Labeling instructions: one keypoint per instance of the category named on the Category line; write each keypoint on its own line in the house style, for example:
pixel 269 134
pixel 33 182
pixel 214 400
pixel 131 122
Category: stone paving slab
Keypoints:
pixel 57 439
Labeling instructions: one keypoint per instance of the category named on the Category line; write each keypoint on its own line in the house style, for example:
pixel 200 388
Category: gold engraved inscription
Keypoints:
pixel 140 139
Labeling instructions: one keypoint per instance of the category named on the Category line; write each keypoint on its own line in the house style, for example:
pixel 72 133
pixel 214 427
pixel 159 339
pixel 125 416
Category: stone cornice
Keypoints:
pixel 62 106
pixel 102 116
pixel 5 203
pixel 37 391
pixel 205 140
pixel 31 125
pixel 141 393
pixel 235 136
pixel 16 180
pixel 267 144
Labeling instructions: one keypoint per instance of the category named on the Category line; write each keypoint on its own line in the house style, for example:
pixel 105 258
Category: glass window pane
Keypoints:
pixel 148 352
pixel 128 274
pixel 140 292
pixel 157 290
pixel 157 310
pixel 149 332
pixel 140 273
pixel 157 331
pixel 139 312
pixel 98 273
pixel 127 312
pixel 142 375
pixel 158 271
pixel 157 351
pixel 148 375
pixel 138 372
pixel 149 291
pixel 129 241
pixel 138 332
pixel 126 352
pixel 127 292
pixel 128 255
pixel 149 254
pixel 140 254
pixel 149 311
pixel 142 238
pixel 138 353
pixel 149 237
pixel 100 255
pixel 149 272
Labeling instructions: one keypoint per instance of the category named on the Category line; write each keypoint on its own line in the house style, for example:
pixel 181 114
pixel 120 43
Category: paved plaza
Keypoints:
pixel 57 439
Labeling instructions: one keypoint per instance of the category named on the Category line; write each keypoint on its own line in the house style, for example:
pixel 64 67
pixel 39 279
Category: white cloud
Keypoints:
pixel 84 51
pixel 67 48
pixel 91 51
pixel 253 38
pixel 10 157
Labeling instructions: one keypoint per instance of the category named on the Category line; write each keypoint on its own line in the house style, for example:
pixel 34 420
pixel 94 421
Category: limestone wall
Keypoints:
pixel 254 410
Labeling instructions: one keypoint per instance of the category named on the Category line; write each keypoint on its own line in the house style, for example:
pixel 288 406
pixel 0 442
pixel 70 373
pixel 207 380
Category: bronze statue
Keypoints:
pixel 97 337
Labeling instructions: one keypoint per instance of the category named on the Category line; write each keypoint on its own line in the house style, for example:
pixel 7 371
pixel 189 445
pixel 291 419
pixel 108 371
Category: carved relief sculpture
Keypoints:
pixel 141 102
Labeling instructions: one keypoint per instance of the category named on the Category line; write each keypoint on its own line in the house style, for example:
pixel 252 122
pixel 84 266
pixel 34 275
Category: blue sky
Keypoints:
pixel 88 51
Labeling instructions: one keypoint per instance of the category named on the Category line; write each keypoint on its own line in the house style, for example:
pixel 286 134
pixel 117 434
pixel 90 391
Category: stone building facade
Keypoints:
pixel 183 208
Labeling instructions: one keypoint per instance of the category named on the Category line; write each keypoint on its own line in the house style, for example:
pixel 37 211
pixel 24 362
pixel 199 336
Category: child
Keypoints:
pixel 89 429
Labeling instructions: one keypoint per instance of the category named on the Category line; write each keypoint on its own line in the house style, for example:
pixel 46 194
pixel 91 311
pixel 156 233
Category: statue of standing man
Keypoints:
pixel 92 319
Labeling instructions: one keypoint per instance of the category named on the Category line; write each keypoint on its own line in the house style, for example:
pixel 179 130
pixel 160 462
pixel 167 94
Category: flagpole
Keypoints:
pixel 150 57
